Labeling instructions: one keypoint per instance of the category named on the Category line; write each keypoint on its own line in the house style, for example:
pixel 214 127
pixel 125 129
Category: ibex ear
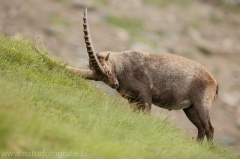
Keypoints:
pixel 88 65
pixel 107 57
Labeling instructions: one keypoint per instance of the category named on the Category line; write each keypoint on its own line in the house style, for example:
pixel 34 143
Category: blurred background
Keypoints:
pixel 207 31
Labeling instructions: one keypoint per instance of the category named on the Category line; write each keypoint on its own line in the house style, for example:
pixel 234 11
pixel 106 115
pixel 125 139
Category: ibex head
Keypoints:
pixel 100 66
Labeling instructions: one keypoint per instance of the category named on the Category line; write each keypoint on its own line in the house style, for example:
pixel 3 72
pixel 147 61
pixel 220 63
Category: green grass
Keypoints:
pixel 100 2
pixel 62 1
pixel 215 19
pixel 232 8
pixel 44 108
pixel 163 3
pixel 204 50
pixel 132 25
pixel 59 21
pixel 194 24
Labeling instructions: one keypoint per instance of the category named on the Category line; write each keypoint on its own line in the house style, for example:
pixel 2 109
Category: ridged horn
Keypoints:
pixel 88 74
pixel 92 56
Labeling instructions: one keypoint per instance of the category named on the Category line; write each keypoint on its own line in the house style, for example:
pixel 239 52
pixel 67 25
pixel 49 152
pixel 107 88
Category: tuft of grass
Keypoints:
pixel 49 112
pixel 132 25
pixel 100 2
pixel 161 33
pixel 63 1
pixel 162 3
pixel 59 21
pixel 232 8
pixel 204 50
pixel 215 19
pixel 194 24
pixel 227 5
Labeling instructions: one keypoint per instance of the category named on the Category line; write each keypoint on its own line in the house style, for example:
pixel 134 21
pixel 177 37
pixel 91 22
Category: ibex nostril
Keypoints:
pixel 116 85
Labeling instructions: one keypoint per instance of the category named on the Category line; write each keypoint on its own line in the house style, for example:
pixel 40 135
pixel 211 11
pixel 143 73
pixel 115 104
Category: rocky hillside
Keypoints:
pixel 205 31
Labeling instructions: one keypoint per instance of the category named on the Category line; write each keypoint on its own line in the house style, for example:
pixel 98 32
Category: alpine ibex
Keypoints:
pixel 145 77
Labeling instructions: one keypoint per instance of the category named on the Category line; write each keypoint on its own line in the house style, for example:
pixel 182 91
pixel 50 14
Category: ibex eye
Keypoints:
pixel 109 73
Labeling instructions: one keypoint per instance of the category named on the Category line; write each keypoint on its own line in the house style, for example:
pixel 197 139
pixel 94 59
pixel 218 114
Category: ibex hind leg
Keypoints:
pixel 210 134
pixel 204 117
pixel 192 115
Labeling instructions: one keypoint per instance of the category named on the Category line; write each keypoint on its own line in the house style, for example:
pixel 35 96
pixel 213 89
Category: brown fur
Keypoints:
pixel 169 81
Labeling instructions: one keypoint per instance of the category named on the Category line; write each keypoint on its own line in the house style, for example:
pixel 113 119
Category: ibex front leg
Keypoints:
pixel 145 101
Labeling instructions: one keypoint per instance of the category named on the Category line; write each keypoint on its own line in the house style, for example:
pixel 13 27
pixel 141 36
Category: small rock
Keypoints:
pixel 227 139
pixel 51 31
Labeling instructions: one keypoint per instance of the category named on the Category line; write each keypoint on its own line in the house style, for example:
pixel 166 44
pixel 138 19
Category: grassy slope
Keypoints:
pixel 43 107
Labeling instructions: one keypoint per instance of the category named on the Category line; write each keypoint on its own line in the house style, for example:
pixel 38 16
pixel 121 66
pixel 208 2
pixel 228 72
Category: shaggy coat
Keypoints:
pixel 166 80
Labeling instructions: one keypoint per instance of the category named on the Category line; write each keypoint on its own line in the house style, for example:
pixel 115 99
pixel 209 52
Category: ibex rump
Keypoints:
pixel 145 77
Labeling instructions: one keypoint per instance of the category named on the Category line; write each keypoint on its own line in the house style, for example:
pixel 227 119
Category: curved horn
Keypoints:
pixel 93 59
pixel 88 74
